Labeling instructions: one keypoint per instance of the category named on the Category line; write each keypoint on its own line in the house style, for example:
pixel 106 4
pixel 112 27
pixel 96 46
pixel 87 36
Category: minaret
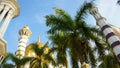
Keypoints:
pixel 24 33
pixel 108 32
pixel 8 9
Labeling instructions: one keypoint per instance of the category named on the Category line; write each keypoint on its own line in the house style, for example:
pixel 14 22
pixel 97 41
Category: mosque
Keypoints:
pixel 10 9
pixel 27 51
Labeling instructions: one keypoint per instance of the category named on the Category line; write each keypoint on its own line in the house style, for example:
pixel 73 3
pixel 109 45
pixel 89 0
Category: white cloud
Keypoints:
pixel 39 18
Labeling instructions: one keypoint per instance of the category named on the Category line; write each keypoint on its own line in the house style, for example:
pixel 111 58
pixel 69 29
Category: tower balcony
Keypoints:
pixel 13 4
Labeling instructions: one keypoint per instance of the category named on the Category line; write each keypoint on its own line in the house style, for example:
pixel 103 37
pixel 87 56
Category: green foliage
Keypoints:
pixel 109 61
pixel 74 36
pixel 42 60
pixel 16 61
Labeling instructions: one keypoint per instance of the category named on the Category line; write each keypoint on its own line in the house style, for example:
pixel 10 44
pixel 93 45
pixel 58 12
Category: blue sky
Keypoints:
pixel 33 12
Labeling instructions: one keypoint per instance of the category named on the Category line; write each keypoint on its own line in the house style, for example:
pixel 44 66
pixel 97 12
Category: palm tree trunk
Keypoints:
pixel 74 63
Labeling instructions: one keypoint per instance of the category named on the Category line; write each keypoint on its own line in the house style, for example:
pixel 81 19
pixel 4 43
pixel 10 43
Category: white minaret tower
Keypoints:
pixel 8 9
pixel 111 37
pixel 24 33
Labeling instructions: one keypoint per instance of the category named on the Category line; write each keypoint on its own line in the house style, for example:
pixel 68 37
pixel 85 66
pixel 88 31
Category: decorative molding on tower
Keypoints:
pixel 8 9
pixel 13 4
pixel 24 33
pixel 112 38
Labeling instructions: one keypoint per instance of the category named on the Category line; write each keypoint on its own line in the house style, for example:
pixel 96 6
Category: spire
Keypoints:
pixel 38 38
pixel 39 43
pixel 26 27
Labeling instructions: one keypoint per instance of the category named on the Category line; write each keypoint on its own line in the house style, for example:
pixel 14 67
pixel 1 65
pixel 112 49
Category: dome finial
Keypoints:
pixel 26 27
pixel 38 38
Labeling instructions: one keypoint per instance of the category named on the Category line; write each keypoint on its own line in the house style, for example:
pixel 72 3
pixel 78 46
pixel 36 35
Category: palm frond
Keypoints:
pixel 57 23
pixel 75 35
pixel 5 59
pixel 37 49
pixel 45 65
pixel 63 14
pixel 92 57
pixel 82 12
pixel 50 59
pixel 62 59
pixel 25 60
pixel 7 66
pixel 14 58
pixel 109 61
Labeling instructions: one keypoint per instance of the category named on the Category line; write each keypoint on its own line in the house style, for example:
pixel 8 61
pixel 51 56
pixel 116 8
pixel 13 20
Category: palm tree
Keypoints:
pixel 18 62
pixel 5 64
pixel 43 56
pixel 109 61
pixel 74 36
pixel 60 48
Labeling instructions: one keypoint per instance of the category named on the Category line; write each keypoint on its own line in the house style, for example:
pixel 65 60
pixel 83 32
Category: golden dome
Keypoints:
pixel 29 52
